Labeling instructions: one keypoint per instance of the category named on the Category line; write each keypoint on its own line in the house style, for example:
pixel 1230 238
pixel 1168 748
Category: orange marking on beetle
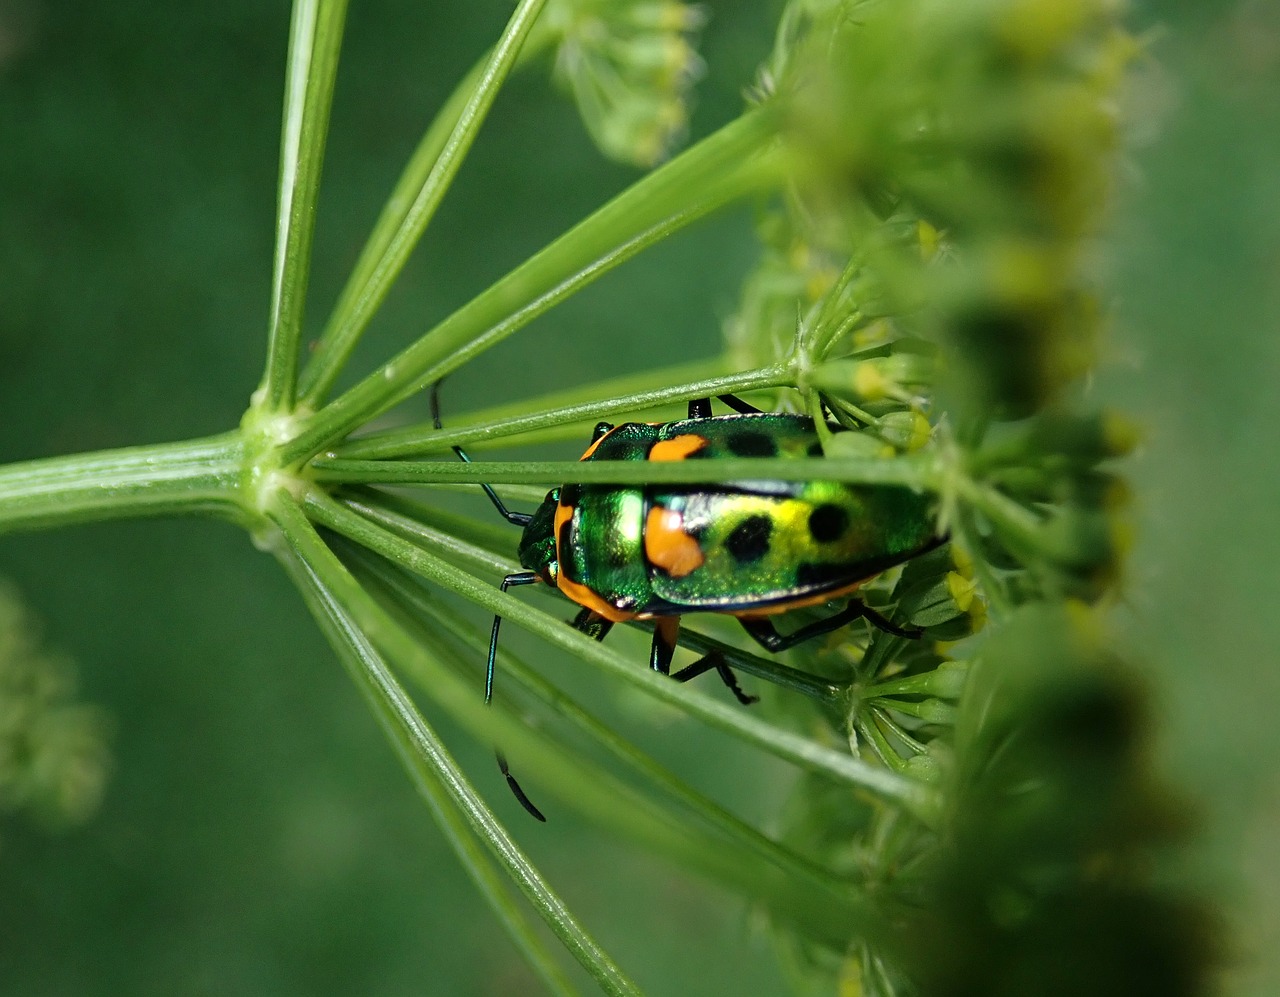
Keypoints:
pixel 678 447
pixel 667 545
pixel 592 449
pixel 583 596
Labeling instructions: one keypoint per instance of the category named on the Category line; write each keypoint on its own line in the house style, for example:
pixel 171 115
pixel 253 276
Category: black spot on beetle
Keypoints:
pixel 749 443
pixel 749 540
pixel 827 523
pixel 819 576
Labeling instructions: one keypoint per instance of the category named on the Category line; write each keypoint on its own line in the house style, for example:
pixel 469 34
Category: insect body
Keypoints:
pixel 751 549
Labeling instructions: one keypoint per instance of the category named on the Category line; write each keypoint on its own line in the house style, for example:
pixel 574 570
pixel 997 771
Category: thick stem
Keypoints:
pixel 921 472
pixel 422 439
pixel 193 476
pixel 314 42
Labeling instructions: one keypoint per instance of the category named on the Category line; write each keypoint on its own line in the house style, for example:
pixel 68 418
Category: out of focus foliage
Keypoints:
pixel 629 67
pixel 53 751
pixel 933 273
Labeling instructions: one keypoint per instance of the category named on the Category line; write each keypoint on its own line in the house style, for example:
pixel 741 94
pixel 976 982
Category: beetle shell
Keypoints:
pixel 747 548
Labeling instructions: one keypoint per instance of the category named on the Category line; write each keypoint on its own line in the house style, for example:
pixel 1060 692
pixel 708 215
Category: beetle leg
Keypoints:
pixel 738 405
pixel 766 635
pixel 519 578
pixel 888 626
pixel 591 623
pixel 700 408
pixel 716 660
pixel 663 648
pixel 665 631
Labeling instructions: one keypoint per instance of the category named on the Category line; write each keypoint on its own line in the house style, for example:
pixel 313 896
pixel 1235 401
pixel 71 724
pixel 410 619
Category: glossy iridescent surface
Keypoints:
pixel 746 547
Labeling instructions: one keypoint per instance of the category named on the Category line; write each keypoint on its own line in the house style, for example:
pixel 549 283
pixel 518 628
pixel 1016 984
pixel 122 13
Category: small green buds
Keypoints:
pixel 629 65
pixel 53 753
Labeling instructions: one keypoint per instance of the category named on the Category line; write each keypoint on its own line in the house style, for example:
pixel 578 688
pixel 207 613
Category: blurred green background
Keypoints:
pixel 1197 361
pixel 257 835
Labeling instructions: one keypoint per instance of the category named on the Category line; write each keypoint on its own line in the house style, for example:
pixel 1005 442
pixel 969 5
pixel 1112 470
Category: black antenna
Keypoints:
pixel 515 518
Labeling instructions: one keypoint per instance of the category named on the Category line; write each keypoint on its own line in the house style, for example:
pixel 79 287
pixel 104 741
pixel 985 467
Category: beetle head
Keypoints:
pixel 537 550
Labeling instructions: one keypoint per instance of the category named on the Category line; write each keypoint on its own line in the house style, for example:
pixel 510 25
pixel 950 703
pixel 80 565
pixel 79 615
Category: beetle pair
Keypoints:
pixel 749 549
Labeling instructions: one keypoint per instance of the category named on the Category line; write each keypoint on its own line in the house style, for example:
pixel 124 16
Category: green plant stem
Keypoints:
pixel 530 495
pixel 425 438
pixel 820 904
pixel 929 710
pixel 611 801
pixel 933 683
pixel 815 336
pixel 360 615
pixel 912 471
pixel 447 543
pixel 342 331
pixel 595 790
pixel 403 517
pixel 440 784
pixel 883 718
pixel 745 837
pixel 915 797
pixel 399 230
pixel 736 160
pixel 632 383
pixel 315 38
pixel 193 476
pixel 874 736
pixel 813 402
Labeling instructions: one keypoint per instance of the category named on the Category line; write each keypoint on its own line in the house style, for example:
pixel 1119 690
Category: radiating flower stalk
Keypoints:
pixel 931 180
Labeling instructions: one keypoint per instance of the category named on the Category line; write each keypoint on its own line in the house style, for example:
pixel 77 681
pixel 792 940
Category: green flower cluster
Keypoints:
pixel 969 150
pixel 930 275
pixel 629 65
pixel 53 753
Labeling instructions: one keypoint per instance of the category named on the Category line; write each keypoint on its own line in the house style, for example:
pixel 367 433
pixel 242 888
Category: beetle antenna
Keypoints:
pixel 517 790
pixel 514 518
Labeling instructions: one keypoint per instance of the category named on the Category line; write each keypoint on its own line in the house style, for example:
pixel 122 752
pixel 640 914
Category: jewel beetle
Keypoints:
pixel 749 549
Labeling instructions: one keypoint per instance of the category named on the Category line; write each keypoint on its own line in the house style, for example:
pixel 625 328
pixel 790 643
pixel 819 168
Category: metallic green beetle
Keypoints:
pixel 750 549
